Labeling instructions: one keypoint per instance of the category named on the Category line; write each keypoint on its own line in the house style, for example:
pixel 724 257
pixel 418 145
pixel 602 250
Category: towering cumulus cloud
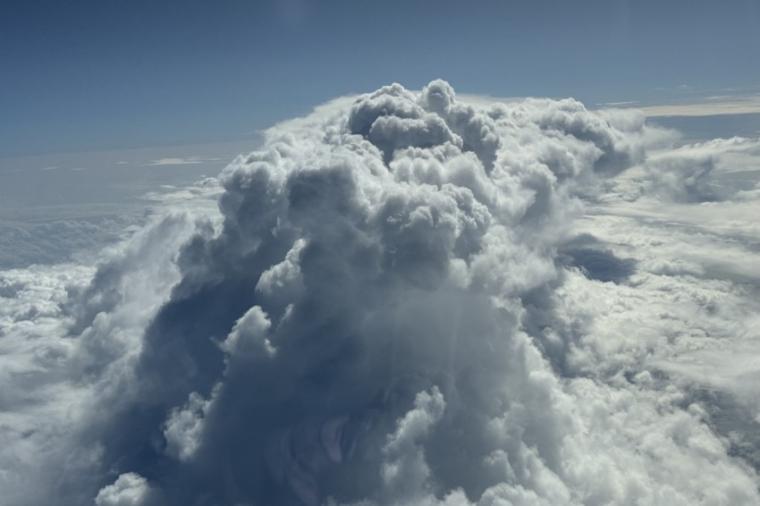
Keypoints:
pixel 379 317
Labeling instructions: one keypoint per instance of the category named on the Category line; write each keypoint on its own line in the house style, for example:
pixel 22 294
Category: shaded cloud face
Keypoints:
pixel 384 314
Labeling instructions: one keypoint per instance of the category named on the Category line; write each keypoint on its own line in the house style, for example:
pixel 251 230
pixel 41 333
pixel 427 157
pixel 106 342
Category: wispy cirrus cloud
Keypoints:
pixel 187 160
pixel 709 106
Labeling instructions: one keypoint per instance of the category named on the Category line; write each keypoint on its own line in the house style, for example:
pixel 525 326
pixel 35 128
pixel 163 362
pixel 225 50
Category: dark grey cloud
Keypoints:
pixel 597 262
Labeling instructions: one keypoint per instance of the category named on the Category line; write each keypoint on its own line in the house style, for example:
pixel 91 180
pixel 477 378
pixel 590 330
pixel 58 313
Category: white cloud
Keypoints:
pixel 70 335
pixel 542 284
pixel 184 428
pixel 129 489
pixel 405 470
pixel 719 106
pixel 186 160
pixel 249 335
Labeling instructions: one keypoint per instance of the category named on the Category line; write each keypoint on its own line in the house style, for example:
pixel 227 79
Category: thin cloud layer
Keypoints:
pixel 406 299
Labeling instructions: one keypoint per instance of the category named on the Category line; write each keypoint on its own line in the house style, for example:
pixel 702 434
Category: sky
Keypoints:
pixel 94 75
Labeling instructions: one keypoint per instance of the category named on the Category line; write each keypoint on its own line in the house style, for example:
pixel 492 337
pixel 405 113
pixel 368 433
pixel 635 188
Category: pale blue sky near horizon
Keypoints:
pixel 90 75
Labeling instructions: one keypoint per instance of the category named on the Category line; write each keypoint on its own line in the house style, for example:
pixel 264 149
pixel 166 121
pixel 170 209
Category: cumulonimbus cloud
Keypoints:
pixel 379 316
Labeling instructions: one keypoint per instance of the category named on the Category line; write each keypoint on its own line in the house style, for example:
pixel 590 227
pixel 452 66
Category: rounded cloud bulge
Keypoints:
pixel 374 317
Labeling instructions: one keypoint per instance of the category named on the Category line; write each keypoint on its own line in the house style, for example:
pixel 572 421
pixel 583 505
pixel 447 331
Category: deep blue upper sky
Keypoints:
pixel 82 75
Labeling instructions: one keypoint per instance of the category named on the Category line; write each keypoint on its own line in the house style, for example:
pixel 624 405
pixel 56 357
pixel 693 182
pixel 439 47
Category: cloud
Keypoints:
pixel 184 428
pixel 34 239
pixel 717 170
pixel 405 469
pixel 711 106
pixel 187 160
pixel 128 490
pixel 41 234
pixel 403 298
pixel 69 334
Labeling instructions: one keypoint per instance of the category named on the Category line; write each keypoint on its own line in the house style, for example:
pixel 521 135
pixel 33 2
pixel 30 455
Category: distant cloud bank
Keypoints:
pixel 190 160
pixel 711 106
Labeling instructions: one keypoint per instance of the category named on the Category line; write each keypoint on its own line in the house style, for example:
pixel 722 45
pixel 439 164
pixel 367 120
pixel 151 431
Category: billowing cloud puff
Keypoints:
pixel 405 300
pixel 405 470
pixel 129 489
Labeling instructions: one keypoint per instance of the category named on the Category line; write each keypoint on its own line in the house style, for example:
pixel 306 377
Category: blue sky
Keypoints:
pixel 87 75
